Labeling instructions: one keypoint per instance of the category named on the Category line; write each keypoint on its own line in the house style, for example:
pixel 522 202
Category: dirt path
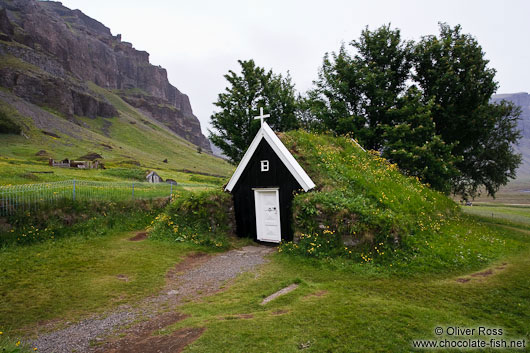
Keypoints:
pixel 196 276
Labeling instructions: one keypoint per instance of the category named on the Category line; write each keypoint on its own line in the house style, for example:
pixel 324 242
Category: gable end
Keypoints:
pixel 266 133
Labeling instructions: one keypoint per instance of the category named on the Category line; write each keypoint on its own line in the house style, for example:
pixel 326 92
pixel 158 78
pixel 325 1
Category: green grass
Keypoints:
pixel 10 61
pixel 35 196
pixel 66 218
pixel 202 218
pixel 337 310
pixel 10 345
pixel 398 283
pixel 15 171
pixel 77 276
pixel 340 306
pixel 7 125
pixel 360 199
pixel 511 213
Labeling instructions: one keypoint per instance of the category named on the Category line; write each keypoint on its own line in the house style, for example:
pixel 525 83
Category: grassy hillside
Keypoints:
pixel 365 185
pixel 364 211
pixel 360 194
pixel 130 140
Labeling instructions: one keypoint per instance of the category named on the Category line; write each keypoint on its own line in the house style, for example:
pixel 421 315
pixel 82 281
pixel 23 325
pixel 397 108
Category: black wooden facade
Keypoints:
pixel 278 176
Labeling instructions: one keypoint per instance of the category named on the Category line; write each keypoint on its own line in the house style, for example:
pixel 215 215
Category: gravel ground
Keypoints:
pixel 195 280
pixel 209 277
pixel 77 338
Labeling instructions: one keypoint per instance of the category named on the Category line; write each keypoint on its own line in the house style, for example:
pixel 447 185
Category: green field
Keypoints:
pixel 359 311
pixel 517 214
pixel 417 262
pixel 337 308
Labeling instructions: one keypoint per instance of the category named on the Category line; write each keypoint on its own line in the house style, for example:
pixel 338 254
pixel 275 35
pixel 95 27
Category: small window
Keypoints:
pixel 265 166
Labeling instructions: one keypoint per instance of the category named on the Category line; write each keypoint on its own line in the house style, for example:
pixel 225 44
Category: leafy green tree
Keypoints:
pixel 411 142
pixel 453 73
pixel 447 133
pixel 366 94
pixel 234 123
pixel 354 94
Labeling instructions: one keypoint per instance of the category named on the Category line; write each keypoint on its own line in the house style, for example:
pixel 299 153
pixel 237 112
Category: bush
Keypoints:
pixel 68 218
pixel 202 218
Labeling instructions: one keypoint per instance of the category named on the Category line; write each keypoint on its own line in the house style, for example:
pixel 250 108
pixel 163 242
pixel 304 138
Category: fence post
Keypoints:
pixel 73 191
pixel 171 192
pixel 133 191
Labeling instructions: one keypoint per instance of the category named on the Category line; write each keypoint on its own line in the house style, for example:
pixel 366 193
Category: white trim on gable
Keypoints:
pixel 281 151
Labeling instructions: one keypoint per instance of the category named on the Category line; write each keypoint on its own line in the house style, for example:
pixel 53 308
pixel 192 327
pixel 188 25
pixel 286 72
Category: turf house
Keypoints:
pixel 263 187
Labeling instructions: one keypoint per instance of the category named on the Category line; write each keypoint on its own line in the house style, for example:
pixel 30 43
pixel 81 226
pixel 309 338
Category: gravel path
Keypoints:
pixel 195 277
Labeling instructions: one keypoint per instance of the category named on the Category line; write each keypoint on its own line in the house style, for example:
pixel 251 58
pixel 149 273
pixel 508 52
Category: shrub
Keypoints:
pixel 73 218
pixel 203 218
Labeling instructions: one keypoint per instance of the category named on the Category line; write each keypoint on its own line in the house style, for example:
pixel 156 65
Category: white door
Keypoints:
pixel 268 215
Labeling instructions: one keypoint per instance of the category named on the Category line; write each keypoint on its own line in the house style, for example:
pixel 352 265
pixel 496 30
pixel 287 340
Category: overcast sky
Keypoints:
pixel 199 41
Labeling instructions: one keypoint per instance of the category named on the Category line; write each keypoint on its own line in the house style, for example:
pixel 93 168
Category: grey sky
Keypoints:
pixel 199 41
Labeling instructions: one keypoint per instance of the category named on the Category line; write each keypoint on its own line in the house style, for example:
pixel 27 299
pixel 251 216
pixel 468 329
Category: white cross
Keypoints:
pixel 261 116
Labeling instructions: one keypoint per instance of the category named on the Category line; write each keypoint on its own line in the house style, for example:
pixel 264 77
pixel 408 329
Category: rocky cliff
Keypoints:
pixel 522 100
pixel 49 53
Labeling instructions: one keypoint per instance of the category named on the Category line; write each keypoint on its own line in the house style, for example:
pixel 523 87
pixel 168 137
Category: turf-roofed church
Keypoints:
pixel 263 186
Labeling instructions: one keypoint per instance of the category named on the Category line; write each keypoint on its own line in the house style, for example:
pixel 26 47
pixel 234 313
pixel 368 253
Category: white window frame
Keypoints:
pixel 265 165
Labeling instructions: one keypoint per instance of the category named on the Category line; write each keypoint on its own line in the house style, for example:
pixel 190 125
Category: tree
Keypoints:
pixel 354 94
pixel 453 73
pixel 446 133
pixel 412 143
pixel 366 94
pixel 234 124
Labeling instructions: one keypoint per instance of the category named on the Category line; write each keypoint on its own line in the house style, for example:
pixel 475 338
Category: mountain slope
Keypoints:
pixel 129 140
pixel 73 88
pixel 70 49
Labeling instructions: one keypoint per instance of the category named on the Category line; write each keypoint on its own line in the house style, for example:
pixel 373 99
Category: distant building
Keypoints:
pixel 67 163
pixel 152 177
pixel 62 164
